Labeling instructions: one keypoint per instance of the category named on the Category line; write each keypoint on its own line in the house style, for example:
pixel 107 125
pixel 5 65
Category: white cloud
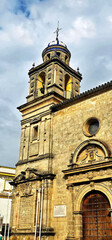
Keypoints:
pixel 109 19
pixel 78 3
pixel 81 28
pixel 84 27
pixel 20 34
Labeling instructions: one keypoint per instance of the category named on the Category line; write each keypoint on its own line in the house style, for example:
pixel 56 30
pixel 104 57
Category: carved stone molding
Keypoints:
pixel 32 174
pixel 89 152
pixel 78 212
pixel 95 172
pixel 35 120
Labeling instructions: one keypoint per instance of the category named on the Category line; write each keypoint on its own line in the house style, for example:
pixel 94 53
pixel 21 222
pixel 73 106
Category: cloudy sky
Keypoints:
pixel 26 27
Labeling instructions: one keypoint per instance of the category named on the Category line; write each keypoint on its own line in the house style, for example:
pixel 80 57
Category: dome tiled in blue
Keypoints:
pixel 57 42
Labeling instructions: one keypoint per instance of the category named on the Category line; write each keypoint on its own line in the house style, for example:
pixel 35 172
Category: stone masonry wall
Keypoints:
pixel 66 135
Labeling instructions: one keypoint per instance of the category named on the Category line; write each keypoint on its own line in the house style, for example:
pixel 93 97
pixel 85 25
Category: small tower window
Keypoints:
pixel 48 56
pixel 58 53
pixel 35 132
pixel 66 59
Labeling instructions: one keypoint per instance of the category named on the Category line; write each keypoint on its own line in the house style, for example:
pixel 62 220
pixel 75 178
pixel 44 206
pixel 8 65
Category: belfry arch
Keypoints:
pixel 41 83
pixel 68 86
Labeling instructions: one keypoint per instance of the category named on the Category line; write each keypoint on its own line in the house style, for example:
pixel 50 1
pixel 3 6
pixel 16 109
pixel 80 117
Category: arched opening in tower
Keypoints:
pixel 68 87
pixel 41 84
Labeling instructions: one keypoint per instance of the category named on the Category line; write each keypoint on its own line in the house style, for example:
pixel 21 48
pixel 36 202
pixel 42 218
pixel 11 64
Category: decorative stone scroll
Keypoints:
pixel 89 152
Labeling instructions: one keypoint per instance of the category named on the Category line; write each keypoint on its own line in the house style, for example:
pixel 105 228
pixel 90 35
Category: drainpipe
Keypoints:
pixel 36 218
pixel 41 209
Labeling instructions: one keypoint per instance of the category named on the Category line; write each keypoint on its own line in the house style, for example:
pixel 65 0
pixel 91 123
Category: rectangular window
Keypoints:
pixel 35 132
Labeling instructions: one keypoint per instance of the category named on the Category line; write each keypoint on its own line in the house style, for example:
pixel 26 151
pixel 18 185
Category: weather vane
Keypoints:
pixel 57 31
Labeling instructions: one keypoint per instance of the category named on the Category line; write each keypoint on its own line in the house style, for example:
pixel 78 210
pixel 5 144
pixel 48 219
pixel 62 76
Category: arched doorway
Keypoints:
pixel 96 217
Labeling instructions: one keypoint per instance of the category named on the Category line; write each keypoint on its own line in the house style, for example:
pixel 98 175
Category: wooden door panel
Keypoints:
pixel 96 217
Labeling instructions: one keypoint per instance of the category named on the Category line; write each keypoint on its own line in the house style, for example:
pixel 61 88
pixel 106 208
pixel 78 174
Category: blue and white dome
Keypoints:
pixel 56 49
pixel 57 42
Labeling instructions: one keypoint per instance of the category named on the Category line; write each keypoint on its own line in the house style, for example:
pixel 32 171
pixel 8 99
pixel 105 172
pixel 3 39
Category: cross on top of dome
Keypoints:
pixel 57 31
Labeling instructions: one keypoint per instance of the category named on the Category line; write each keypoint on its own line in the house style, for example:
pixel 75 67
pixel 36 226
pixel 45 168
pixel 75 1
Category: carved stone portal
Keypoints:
pixel 90 152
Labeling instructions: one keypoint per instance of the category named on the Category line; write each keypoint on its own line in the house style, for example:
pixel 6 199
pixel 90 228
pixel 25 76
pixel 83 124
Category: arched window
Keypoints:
pixel 68 86
pixel 41 84
pixel 96 217
pixel 58 54
pixel 48 56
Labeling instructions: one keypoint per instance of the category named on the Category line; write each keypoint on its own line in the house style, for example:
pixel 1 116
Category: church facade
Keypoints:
pixel 63 183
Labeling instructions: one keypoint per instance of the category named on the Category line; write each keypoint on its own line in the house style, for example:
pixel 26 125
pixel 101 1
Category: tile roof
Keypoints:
pixel 89 93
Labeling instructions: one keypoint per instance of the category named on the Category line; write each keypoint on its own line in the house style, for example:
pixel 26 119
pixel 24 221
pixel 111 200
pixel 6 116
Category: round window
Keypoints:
pixel 91 127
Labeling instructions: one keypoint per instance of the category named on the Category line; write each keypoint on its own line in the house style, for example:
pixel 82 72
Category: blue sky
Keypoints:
pixel 26 27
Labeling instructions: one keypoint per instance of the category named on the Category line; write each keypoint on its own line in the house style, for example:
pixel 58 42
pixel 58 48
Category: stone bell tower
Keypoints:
pixel 54 74
pixel 50 83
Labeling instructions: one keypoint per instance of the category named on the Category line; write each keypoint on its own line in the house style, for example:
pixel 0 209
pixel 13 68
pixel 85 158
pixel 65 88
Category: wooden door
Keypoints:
pixel 96 217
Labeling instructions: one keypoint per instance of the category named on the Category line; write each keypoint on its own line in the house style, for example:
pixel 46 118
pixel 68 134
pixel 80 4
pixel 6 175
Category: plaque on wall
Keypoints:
pixel 60 211
pixel 26 212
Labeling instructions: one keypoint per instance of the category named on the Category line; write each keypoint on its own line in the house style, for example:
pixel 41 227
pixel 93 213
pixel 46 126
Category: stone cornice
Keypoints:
pixel 37 100
pixel 46 231
pixel 91 174
pixel 88 167
pixel 38 178
pixel 30 120
pixel 31 174
pixel 55 60
pixel 40 157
